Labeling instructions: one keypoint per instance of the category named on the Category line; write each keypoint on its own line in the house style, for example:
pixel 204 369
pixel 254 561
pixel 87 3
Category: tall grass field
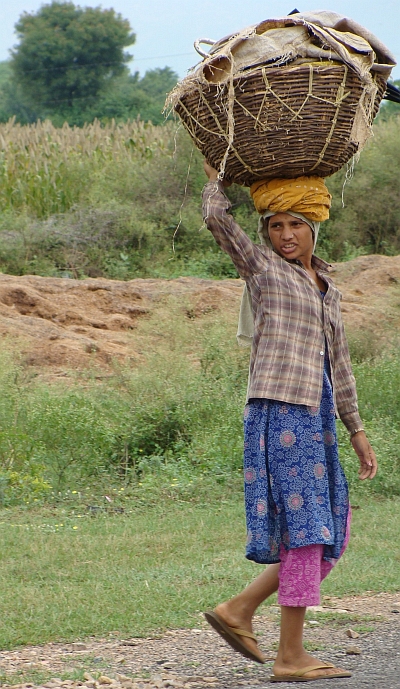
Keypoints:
pixel 122 201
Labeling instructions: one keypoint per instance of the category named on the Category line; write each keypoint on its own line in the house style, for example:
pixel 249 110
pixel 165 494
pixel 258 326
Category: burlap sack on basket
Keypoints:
pixel 287 97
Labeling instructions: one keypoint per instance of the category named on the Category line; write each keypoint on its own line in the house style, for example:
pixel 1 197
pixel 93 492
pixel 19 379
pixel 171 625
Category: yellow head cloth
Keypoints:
pixel 306 195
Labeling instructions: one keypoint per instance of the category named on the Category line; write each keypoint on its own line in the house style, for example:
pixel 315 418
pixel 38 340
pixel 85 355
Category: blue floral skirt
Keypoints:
pixel 296 493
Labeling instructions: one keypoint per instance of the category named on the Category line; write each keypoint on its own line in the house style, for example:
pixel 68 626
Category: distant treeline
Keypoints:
pixel 126 97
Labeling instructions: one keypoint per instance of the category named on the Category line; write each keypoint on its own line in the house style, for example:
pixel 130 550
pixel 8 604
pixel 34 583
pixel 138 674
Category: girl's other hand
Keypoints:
pixel 366 455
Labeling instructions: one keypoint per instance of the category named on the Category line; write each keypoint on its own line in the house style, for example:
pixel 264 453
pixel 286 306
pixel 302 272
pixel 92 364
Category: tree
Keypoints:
pixel 130 97
pixel 158 82
pixel 126 97
pixel 68 54
pixel 5 72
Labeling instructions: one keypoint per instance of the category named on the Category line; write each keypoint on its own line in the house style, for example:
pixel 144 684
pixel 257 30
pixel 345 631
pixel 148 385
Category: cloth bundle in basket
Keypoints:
pixel 287 97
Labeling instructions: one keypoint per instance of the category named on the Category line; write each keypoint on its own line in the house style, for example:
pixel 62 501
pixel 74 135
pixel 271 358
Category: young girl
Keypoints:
pixel 297 505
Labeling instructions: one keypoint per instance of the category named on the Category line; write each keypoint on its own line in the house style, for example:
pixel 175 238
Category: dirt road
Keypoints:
pixel 198 658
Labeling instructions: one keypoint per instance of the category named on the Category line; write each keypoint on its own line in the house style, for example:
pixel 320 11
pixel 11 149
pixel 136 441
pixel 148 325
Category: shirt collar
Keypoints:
pixel 322 265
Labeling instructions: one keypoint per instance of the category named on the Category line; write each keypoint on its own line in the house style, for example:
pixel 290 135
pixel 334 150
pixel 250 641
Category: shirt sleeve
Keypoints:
pixel 248 257
pixel 352 421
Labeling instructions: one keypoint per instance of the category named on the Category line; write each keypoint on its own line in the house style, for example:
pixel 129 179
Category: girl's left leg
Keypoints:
pixel 300 575
pixel 292 656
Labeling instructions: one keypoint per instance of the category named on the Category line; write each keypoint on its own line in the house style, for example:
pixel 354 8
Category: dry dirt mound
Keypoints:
pixel 371 291
pixel 60 324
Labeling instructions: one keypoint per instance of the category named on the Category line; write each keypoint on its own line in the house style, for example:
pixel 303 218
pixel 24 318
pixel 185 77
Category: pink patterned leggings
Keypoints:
pixel 301 572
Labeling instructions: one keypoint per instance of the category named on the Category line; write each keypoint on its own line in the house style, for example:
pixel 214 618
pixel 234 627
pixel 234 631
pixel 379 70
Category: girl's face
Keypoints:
pixel 291 237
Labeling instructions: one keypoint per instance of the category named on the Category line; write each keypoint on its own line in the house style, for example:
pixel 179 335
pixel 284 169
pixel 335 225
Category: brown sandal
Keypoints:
pixel 298 676
pixel 233 636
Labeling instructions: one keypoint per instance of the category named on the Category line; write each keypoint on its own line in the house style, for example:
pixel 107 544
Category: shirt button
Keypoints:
pixel 322 353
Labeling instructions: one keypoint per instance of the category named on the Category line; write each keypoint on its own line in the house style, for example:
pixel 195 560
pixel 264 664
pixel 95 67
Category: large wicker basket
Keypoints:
pixel 280 121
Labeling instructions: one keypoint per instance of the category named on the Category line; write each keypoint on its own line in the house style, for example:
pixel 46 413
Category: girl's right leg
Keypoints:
pixel 238 611
pixel 298 577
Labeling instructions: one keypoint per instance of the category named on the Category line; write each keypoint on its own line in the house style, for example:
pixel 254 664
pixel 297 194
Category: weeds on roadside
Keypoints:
pixel 170 429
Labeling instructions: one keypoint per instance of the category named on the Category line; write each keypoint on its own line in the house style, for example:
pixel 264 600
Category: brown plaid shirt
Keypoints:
pixel 291 321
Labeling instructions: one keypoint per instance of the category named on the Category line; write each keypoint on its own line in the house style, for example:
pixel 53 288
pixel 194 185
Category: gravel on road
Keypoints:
pixel 359 633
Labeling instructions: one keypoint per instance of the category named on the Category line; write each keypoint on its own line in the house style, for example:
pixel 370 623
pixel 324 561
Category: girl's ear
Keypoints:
pixel 264 228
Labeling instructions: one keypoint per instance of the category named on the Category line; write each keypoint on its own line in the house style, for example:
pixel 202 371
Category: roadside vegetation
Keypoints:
pixel 171 428
pixel 70 575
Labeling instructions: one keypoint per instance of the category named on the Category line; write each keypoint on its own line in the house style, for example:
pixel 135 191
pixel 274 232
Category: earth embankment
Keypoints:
pixel 63 324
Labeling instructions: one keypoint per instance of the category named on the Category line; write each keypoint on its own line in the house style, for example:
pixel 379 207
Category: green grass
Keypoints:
pixel 40 677
pixel 156 568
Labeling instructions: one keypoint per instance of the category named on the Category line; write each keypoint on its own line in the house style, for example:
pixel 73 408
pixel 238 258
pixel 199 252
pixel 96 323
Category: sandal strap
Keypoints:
pixel 242 632
pixel 310 668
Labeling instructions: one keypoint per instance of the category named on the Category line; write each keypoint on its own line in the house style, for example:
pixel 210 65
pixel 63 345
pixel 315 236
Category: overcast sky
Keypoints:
pixel 166 29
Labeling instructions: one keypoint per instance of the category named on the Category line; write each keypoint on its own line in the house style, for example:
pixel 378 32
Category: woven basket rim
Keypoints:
pixel 194 81
pixel 233 124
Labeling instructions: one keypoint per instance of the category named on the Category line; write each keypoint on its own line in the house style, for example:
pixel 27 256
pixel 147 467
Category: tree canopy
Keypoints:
pixel 131 96
pixel 67 54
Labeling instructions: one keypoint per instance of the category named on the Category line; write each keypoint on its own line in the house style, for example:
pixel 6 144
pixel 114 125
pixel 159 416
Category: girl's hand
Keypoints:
pixel 212 173
pixel 366 455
